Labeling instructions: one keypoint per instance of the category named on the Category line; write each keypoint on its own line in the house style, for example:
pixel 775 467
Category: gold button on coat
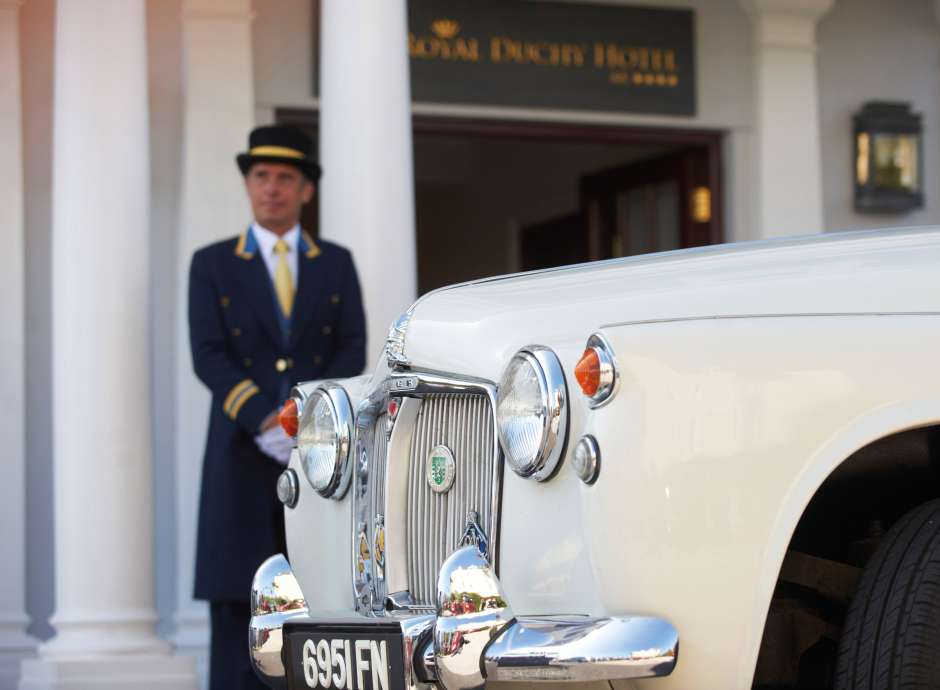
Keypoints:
pixel 327 330
pixel 317 359
pixel 281 364
pixel 334 299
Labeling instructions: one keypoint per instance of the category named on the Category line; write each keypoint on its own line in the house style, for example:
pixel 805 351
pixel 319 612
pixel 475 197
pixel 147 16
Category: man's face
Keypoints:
pixel 277 192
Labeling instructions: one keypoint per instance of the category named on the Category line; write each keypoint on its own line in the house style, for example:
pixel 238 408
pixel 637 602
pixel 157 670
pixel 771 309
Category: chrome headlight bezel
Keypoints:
pixel 299 394
pixel 553 391
pixel 337 482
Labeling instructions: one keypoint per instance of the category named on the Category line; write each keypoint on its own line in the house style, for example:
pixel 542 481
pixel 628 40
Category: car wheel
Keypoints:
pixel 891 638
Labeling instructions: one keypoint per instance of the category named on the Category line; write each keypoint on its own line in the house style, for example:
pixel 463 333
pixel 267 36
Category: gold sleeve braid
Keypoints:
pixel 238 396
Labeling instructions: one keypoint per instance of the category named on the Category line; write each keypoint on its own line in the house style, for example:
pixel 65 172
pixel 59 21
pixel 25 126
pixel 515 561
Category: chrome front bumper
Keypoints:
pixel 474 636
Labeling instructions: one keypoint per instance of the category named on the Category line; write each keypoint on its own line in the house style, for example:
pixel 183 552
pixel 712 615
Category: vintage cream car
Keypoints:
pixel 555 477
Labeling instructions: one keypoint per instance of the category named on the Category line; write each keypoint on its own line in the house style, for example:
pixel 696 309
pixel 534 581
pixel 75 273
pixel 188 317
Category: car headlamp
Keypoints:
pixel 323 440
pixel 532 412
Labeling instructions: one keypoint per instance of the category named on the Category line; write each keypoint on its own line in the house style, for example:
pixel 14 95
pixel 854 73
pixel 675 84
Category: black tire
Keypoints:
pixel 891 638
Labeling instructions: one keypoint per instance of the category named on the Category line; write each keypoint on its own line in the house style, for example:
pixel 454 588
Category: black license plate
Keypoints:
pixel 338 656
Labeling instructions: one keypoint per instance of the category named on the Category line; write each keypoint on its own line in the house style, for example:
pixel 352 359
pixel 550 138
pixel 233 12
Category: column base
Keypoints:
pixel 15 647
pixel 12 654
pixel 145 672
pixel 191 639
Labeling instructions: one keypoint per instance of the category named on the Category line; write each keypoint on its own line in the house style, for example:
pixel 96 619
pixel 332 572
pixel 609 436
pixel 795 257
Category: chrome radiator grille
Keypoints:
pixel 378 469
pixel 402 529
pixel 436 522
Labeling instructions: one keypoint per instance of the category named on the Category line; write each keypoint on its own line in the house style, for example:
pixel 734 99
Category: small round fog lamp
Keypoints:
pixel 586 460
pixel 287 489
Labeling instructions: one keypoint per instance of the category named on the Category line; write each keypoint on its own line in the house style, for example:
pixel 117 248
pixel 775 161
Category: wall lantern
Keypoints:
pixel 889 170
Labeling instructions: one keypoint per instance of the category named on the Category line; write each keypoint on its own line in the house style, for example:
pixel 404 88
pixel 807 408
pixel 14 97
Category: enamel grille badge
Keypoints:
pixel 441 469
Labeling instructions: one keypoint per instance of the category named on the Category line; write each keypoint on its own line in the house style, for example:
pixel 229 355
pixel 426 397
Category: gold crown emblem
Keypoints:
pixel 445 28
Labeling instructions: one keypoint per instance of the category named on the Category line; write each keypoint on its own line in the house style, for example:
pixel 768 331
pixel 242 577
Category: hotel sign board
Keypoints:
pixel 545 54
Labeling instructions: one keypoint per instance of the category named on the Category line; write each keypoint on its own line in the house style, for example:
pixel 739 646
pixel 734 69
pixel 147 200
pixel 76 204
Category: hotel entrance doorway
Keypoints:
pixel 659 203
pixel 496 197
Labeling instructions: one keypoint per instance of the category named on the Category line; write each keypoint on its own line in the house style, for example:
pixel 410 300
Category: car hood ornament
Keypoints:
pixel 395 341
pixel 474 535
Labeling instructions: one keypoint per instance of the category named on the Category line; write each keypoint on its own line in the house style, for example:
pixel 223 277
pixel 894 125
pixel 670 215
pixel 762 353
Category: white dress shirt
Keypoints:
pixel 266 241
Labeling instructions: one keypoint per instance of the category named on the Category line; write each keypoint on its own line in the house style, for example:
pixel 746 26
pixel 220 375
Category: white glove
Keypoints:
pixel 275 443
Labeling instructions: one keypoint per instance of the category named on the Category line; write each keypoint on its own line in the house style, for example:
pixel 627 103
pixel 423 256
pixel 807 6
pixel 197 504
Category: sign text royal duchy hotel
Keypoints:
pixel 552 55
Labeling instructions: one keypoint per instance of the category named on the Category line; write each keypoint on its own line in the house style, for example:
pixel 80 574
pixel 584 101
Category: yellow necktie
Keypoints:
pixel 283 283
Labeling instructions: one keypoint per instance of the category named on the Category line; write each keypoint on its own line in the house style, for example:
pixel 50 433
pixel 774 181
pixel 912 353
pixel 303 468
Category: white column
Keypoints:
pixel 367 192
pixel 15 644
pixel 218 102
pixel 105 617
pixel 789 160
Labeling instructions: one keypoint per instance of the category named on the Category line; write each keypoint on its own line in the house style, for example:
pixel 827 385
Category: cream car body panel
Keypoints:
pixel 710 454
pixel 748 373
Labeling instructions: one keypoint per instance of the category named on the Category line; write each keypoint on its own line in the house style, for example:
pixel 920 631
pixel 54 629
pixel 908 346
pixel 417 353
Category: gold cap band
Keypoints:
pixel 282 151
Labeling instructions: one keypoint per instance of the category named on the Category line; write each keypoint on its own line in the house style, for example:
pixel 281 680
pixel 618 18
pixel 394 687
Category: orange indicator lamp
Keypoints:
pixel 588 372
pixel 596 371
pixel 288 417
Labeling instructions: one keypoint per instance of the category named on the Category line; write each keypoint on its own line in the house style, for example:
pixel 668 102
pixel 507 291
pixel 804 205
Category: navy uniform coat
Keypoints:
pixel 249 356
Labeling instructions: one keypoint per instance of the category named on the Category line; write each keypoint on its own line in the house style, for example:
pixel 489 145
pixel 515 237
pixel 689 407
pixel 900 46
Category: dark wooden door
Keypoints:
pixel 654 205
pixel 650 206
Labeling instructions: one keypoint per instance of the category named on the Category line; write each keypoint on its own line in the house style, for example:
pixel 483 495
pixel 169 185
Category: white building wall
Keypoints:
pixel 285 47
pixel 875 50
pixel 787 159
